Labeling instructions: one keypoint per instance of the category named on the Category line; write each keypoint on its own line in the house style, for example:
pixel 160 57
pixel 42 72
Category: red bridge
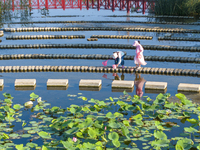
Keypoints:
pixel 79 4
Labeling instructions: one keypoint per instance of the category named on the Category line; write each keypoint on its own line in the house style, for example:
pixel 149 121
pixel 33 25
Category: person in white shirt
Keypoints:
pixel 118 57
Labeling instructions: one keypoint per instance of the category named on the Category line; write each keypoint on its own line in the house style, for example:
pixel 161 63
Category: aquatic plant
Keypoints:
pixel 126 123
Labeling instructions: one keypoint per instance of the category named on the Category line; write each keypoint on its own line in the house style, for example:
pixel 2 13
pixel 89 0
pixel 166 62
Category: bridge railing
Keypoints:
pixel 78 4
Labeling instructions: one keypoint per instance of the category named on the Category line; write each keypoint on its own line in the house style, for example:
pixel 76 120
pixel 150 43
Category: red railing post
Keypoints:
pixel 143 6
pixel 123 4
pixel 92 3
pixel 63 4
pixel 108 4
pixel 137 4
pixel 120 4
pixel 87 4
pixel 29 4
pixel 46 4
pixel 55 4
pixel 38 4
pixel 80 4
pixel 113 5
pixel 13 5
pixel 128 6
pixel 98 5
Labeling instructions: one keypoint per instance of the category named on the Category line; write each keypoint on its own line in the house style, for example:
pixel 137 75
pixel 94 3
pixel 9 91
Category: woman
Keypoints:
pixel 139 58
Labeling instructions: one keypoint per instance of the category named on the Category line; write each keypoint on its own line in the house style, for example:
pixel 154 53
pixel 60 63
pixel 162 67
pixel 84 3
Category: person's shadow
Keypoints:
pixel 139 83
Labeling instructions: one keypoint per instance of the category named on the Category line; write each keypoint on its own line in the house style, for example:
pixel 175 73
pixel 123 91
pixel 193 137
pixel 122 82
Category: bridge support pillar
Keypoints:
pixel 63 4
pixel 98 5
pixel 38 4
pixel 80 4
pixel 29 4
pixel 13 5
pixel 92 3
pixel 128 6
pixel 143 6
pixel 46 4
pixel 87 4
pixel 113 5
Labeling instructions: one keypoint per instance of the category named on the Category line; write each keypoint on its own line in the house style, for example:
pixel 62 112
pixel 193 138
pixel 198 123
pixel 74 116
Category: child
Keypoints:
pixel 119 58
pixel 139 58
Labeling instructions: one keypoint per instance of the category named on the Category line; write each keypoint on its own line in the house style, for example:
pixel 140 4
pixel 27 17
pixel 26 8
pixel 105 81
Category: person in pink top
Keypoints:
pixel 139 58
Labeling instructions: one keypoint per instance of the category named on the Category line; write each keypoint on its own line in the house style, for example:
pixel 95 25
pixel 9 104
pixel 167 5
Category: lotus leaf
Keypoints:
pixel 20 147
pixel 125 131
pixel 114 125
pixel 113 136
pixel 184 144
pixel 190 129
pixel 44 135
pixel 72 130
pixel 160 135
pixel 33 96
pixel 116 143
pixel 160 143
pixel 126 122
pixel 137 117
pixel 26 135
pixel 110 115
pixel 92 133
pixel 193 121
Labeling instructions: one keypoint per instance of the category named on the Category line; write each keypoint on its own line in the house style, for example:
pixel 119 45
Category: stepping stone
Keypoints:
pixel 189 87
pixel 1 82
pixel 122 84
pixel 57 82
pixel 25 82
pixel 155 85
pixel 82 88
pixel 90 83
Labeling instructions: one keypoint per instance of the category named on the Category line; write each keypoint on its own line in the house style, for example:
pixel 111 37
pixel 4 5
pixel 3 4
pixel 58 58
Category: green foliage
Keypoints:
pixel 177 7
pixel 96 125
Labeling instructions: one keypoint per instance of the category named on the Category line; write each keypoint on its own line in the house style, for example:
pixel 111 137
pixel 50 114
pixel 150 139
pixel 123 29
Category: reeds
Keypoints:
pixel 177 7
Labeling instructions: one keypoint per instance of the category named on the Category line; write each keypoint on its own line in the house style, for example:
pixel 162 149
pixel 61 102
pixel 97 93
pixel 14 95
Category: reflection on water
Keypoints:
pixel 139 83
pixel 116 76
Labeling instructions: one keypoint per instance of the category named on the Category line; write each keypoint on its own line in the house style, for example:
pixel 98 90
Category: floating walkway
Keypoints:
pixel 132 22
pixel 103 46
pixel 143 16
pixel 144 70
pixel 121 37
pixel 179 39
pixel 98 57
pixel 157 29
pixel 152 16
pixel 34 37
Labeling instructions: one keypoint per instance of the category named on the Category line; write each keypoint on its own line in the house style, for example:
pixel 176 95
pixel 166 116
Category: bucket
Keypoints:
pixel 114 66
